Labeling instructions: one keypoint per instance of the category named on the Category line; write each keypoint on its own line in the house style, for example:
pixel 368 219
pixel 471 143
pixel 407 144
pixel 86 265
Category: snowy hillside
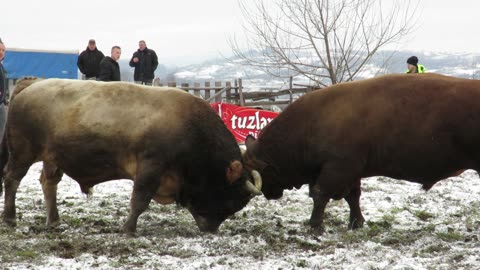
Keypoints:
pixel 466 65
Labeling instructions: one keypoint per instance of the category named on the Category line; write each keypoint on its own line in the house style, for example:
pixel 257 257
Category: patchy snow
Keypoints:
pixel 406 228
pixel 206 72
pixel 371 71
pixel 185 74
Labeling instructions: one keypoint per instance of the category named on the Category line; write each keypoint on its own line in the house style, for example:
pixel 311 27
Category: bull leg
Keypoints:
pixel 49 179
pixel 13 176
pixel 319 203
pixel 144 189
pixel 334 182
pixel 353 200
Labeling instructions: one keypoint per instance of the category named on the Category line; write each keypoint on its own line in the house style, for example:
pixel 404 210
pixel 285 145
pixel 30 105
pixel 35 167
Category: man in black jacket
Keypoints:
pixel 145 62
pixel 109 68
pixel 89 61
pixel 3 90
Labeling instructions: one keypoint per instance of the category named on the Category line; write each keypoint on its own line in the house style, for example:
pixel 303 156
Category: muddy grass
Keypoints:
pixel 406 228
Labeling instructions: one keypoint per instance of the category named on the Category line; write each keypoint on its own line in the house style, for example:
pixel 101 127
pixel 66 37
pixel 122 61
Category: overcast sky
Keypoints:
pixel 179 30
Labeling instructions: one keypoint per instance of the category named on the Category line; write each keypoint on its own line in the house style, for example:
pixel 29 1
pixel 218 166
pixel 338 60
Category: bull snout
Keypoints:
pixel 207 225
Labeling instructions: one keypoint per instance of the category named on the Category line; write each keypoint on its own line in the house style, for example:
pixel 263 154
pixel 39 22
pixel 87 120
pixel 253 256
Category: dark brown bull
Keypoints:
pixel 421 128
pixel 170 143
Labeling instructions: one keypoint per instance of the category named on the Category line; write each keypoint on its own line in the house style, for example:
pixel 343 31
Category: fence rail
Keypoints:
pixel 235 93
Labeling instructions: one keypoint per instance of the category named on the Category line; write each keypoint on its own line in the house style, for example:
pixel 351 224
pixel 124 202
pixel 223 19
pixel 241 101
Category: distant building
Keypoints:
pixel 21 63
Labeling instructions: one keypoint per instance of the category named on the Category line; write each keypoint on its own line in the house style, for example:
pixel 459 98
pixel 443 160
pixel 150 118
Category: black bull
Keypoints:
pixel 421 128
pixel 170 143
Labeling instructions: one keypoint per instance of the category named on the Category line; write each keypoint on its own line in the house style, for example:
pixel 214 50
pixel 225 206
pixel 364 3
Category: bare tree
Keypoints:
pixel 326 41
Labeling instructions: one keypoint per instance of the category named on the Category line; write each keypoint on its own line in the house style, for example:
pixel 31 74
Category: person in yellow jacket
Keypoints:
pixel 413 65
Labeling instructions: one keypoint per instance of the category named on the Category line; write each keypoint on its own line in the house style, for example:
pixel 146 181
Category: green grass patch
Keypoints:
pixel 26 255
pixel 423 215
pixel 450 236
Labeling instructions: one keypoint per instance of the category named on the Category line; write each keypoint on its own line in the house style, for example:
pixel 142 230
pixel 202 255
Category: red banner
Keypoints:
pixel 243 121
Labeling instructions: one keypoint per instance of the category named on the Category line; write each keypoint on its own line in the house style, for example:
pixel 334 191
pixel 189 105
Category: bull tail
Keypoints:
pixel 19 87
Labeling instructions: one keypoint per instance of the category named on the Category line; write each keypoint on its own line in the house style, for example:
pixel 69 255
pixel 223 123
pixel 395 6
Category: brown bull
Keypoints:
pixel 421 128
pixel 170 143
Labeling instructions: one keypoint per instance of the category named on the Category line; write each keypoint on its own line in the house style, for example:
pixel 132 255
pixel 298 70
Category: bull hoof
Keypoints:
pixel 10 222
pixel 53 224
pixel 356 224
pixel 129 234
pixel 128 230
pixel 318 230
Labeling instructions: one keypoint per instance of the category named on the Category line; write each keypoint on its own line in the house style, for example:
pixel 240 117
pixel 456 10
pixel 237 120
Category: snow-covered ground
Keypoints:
pixel 406 228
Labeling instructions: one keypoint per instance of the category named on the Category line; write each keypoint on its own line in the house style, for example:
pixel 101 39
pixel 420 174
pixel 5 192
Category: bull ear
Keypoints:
pixel 234 171
pixel 249 141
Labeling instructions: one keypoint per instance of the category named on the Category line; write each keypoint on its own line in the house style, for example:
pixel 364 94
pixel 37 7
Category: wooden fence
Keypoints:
pixel 235 93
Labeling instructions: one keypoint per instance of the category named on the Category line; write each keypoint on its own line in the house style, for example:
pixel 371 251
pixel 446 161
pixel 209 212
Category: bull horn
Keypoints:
pixel 257 179
pixel 257 188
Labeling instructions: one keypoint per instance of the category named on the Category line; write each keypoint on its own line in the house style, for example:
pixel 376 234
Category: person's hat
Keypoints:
pixel 91 41
pixel 412 60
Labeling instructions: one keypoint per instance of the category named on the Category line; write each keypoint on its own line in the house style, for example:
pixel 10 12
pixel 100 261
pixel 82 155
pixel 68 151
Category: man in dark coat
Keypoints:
pixel 3 91
pixel 109 68
pixel 89 61
pixel 145 62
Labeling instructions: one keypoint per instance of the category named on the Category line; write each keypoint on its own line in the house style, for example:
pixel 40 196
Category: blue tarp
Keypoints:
pixel 41 64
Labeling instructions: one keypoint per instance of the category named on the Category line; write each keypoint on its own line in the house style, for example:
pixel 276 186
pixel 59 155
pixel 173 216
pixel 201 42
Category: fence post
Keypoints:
pixel 184 85
pixel 290 89
pixel 207 91
pixel 228 94
pixel 172 84
pixel 240 92
pixel 237 101
pixel 219 97
pixel 196 92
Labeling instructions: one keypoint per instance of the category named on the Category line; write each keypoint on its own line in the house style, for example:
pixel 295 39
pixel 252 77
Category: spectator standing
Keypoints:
pixel 89 61
pixel 109 68
pixel 3 90
pixel 145 62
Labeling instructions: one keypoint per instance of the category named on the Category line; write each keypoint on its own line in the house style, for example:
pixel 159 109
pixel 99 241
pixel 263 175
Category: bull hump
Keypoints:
pixel 122 99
